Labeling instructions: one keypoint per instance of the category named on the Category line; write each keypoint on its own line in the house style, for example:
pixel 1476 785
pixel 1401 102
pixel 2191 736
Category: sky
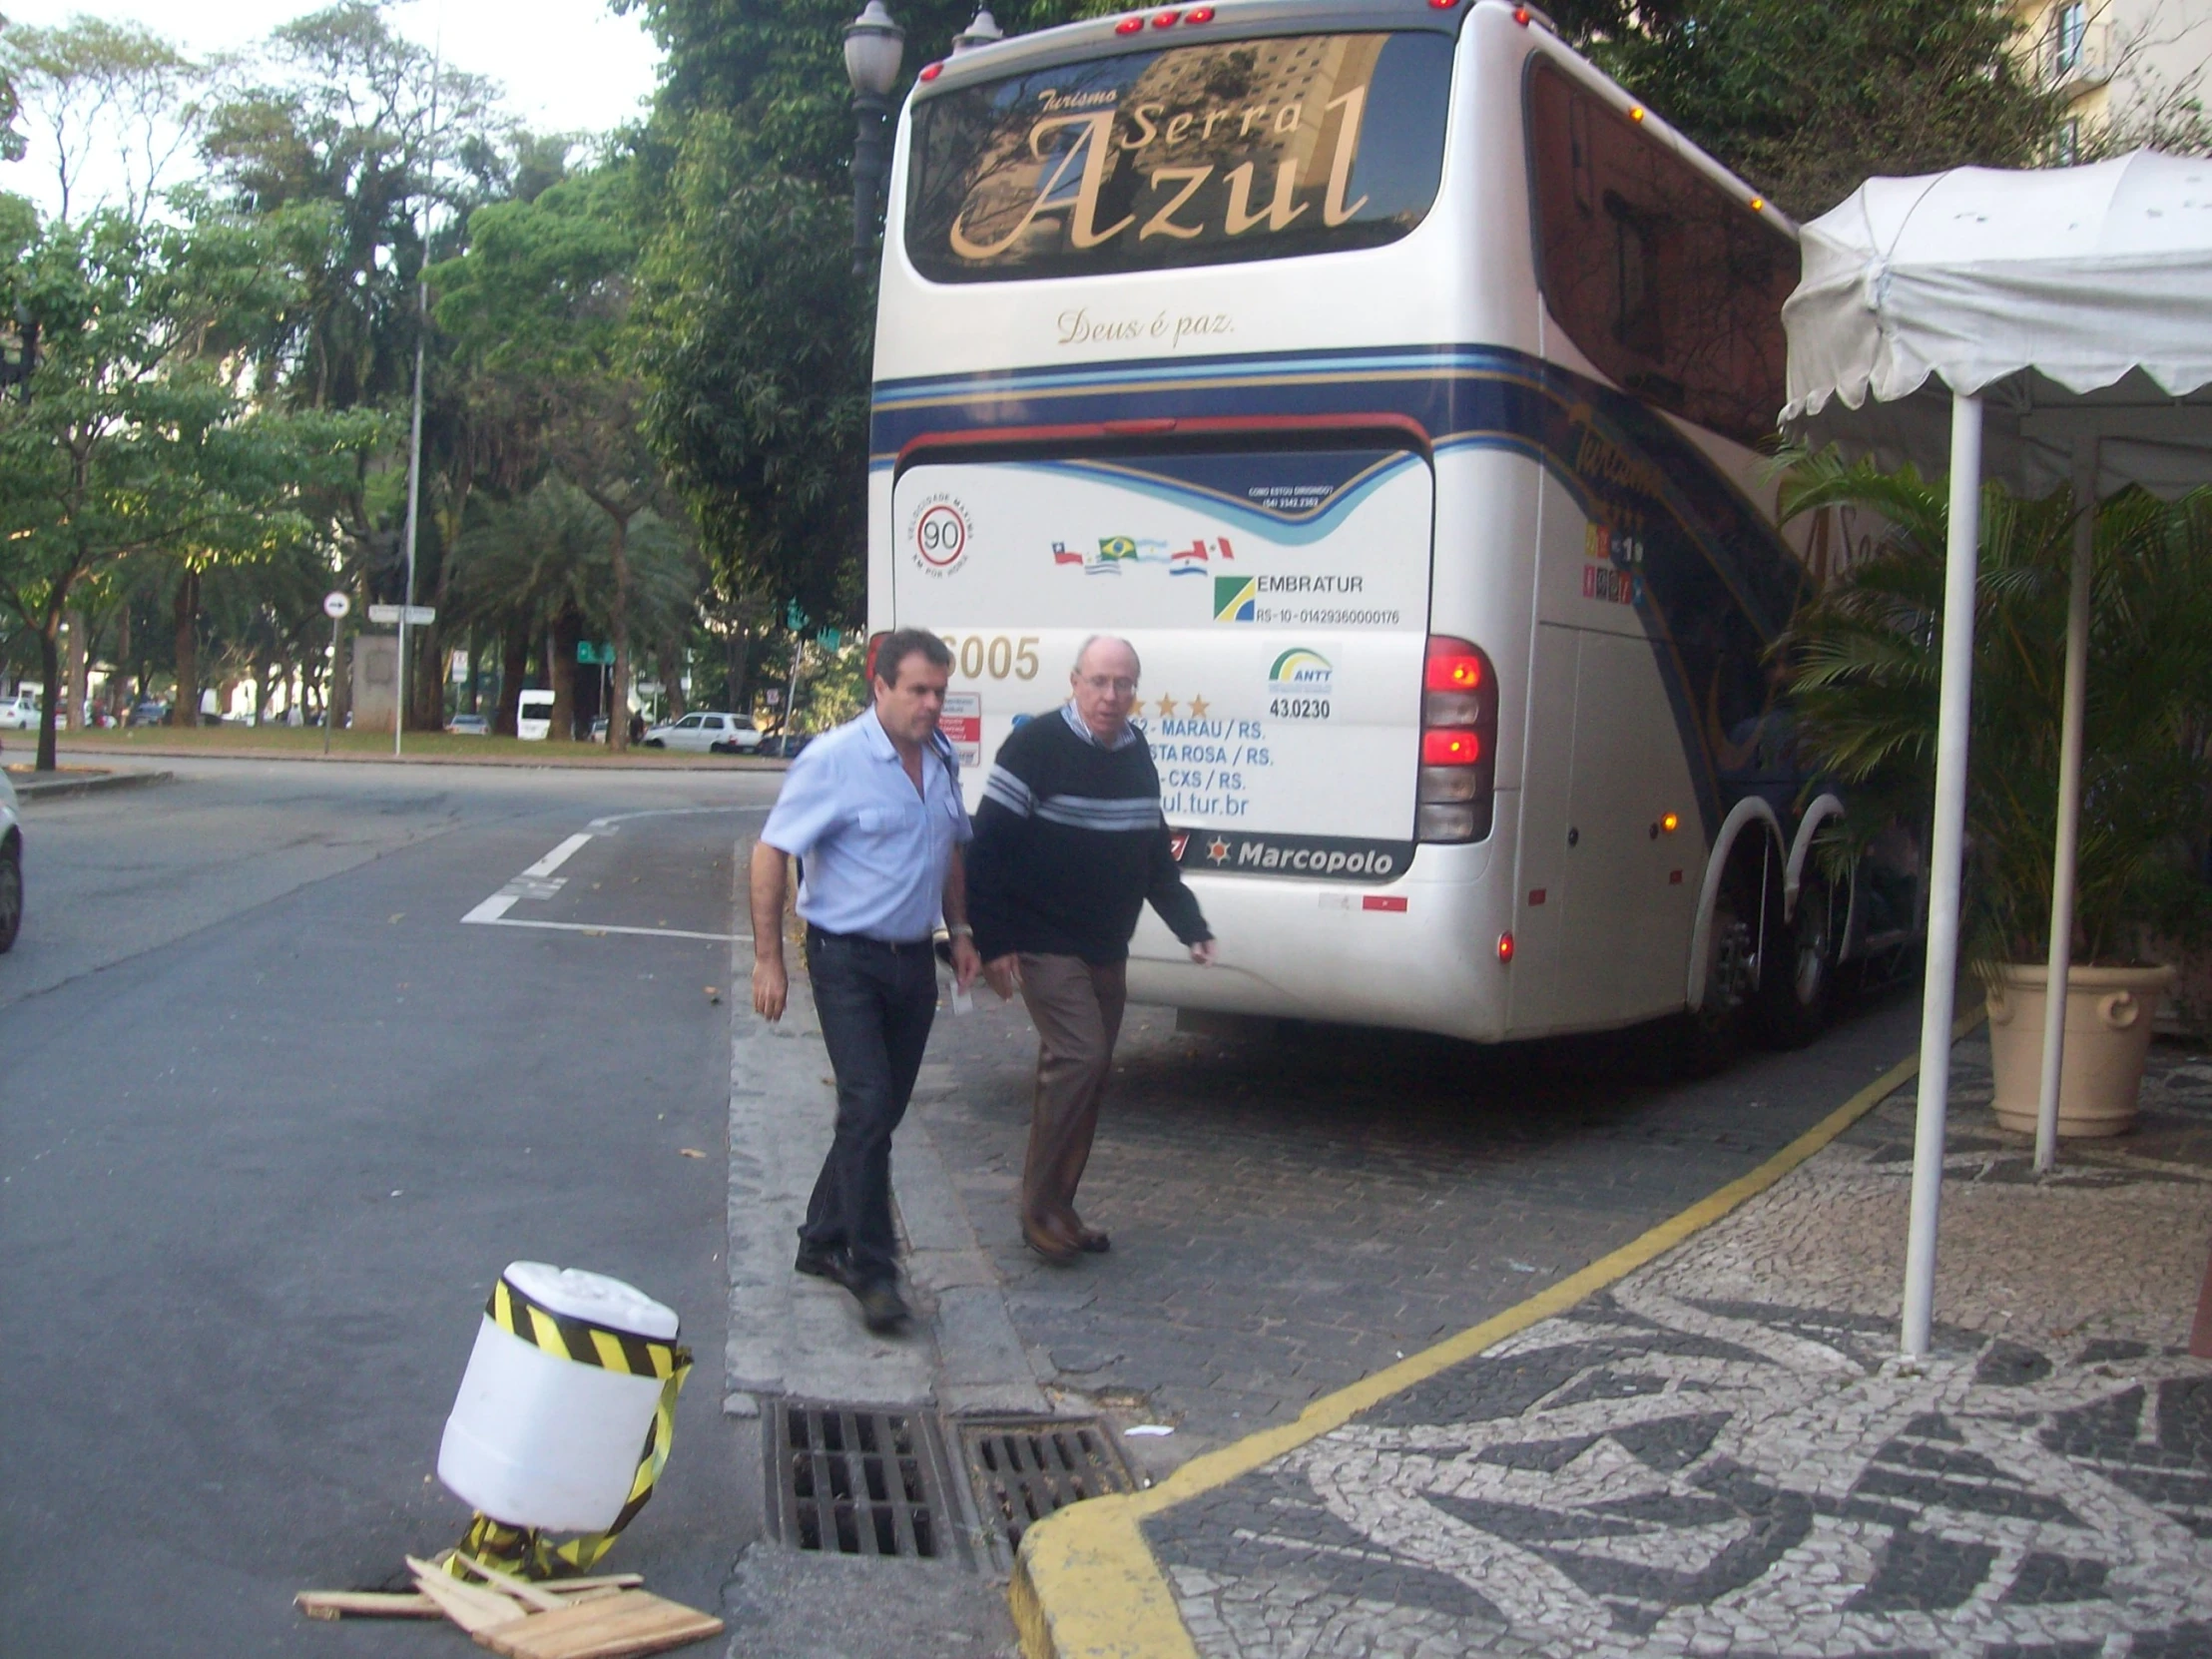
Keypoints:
pixel 566 65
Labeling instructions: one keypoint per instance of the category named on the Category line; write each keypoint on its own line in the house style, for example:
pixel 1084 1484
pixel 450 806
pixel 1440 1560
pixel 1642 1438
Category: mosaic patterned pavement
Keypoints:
pixel 1724 1455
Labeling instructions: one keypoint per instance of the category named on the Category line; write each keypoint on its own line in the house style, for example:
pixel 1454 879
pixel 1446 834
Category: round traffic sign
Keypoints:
pixel 336 604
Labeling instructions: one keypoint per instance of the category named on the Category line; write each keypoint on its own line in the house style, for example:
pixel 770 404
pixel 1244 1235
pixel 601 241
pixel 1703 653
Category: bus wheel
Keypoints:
pixel 1710 1034
pixel 1795 991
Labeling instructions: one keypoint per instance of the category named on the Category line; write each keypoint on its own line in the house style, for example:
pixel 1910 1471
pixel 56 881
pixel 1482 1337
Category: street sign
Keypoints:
pixel 418 616
pixel 830 638
pixel 772 696
pixel 588 653
pixel 336 604
pixel 794 618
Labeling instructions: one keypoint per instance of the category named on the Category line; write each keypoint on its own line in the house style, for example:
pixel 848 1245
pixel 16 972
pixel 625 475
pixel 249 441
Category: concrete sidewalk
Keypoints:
pixel 1705 1443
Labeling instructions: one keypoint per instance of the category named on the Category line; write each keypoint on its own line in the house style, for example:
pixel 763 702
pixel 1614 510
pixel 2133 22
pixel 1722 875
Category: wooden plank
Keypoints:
pixel 474 1610
pixel 366 1604
pixel 534 1596
pixel 631 1623
pixel 604 1581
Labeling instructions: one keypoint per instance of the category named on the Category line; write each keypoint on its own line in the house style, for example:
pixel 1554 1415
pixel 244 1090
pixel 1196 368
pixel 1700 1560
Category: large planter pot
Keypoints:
pixel 2108 1018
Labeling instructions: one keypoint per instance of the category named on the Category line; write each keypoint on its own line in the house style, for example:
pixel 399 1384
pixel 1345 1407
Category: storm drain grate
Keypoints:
pixel 1023 1469
pixel 852 1481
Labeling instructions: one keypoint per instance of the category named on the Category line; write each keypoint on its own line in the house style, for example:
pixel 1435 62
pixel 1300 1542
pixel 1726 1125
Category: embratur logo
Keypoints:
pixel 1235 598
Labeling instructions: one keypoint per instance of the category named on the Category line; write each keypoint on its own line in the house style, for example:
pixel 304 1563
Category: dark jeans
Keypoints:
pixel 875 1002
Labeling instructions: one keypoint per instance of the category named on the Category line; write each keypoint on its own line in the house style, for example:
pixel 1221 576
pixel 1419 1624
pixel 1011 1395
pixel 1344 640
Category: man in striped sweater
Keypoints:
pixel 1069 845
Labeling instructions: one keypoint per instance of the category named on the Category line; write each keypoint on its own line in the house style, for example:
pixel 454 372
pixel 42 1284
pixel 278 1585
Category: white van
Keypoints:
pixel 534 715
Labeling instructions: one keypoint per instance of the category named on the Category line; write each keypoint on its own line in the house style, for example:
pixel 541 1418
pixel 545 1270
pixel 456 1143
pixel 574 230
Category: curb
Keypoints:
pixel 1085 1583
pixel 597 763
pixel 61 788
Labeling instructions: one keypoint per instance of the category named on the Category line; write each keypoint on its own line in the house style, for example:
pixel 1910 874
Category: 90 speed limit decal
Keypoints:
pixel 939 532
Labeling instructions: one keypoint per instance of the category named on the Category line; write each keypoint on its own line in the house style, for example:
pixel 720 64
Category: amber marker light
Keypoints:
pixel 1521 16
pixel 1506 945
pixel 1669 822
pixel 1758 204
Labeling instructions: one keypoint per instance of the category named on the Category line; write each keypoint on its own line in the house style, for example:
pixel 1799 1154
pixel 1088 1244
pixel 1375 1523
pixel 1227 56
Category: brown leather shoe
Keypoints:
pixel 1048 1241
pixel 1089 1240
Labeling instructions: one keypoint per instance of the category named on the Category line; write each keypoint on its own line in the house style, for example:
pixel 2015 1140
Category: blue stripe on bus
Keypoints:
pixel 1709 577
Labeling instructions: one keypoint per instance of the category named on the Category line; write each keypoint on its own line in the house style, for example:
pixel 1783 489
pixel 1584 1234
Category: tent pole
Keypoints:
pixel 2069 801
pixel 1960 558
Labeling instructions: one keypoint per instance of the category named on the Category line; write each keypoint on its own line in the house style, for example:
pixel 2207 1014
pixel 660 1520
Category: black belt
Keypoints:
pixel 813 932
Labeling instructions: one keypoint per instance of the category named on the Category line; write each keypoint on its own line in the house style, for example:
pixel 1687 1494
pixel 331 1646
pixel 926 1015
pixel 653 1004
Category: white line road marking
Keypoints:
pixel 560 855
pixel 602 928
pixel 539 883
pixel 493 907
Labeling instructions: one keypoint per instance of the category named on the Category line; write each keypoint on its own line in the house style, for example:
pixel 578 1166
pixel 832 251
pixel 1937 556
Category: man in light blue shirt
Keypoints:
pixel 872 811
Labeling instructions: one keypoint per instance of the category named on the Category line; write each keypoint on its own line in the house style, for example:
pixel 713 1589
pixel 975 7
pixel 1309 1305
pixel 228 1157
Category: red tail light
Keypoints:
pixel 1129 26
pixel 1459 742
pixel 1453 667
pixel 1451 746
pixel 1165 20
pixel 874 643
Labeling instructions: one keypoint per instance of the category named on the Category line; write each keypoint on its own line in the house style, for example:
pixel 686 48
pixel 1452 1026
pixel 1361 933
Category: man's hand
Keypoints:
pixel 770 987
pixel 966 963
pixel 1203 954
pixel 1003 976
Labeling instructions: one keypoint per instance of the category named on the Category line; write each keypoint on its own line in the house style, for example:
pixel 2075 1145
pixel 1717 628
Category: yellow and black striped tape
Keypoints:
pixel 567 1338
pixel 525 1549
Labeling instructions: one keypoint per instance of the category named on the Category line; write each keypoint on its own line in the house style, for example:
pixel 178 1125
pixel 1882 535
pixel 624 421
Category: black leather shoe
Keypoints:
pixel 882 1310
pixel 820 1264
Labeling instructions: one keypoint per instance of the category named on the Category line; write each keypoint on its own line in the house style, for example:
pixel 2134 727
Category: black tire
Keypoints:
pixel 11 894
pixel 1798 980
pixel 1709 1036
pixel 722 748
pixel 655 742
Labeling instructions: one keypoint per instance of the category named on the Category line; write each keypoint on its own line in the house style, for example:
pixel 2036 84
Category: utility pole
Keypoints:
pixel 414 437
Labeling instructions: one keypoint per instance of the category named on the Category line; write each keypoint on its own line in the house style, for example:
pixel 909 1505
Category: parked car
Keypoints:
pixel 786 744
pixel 469 726
pixel 11 866
pixel 19 713
pixel 707 732
pixel 150 713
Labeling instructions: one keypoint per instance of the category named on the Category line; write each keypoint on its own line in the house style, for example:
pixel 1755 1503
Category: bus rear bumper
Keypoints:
pixel 1418 954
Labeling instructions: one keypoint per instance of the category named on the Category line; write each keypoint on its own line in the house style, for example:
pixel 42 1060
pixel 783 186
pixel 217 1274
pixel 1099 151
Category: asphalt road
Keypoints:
pixel 273 1117
pixel 273 1114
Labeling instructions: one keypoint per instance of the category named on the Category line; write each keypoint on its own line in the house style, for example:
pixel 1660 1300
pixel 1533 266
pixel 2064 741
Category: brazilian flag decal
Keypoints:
pixel 1235 598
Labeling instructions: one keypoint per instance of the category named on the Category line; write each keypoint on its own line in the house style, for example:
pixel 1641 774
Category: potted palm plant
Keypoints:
pixel 1863 658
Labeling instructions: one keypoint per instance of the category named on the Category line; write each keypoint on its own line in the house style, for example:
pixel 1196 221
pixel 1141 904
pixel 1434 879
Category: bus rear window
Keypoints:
pixel 1195 155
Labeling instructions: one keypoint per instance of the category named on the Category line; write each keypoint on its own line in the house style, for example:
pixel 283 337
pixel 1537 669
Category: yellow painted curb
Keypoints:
pixel 1085 1584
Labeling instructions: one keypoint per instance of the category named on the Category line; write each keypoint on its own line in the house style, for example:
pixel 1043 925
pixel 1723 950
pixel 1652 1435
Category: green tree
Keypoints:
pixel 538 308
pixel 105 96
pixel 1808 100
pixel 136 436
pixel 12 145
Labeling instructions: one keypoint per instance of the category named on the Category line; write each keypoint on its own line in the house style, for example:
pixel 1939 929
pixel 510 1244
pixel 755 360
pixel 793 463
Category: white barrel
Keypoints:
pixel 536 1440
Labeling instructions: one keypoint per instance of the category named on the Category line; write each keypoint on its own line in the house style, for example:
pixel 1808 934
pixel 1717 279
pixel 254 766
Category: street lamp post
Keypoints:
pixel 874 44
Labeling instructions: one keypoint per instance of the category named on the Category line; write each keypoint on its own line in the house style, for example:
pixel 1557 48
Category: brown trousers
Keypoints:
pixel 1076 1008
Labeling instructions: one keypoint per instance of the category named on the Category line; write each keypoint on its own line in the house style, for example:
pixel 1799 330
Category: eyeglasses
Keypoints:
pixel 1120 688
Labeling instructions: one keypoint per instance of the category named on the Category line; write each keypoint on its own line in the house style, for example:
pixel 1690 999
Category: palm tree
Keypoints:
pixel 1865 657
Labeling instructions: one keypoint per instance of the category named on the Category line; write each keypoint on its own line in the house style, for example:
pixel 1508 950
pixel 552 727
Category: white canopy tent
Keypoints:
pixel 2065 317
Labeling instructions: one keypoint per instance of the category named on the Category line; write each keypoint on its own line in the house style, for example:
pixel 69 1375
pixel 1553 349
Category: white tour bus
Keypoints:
pixel 1390 378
